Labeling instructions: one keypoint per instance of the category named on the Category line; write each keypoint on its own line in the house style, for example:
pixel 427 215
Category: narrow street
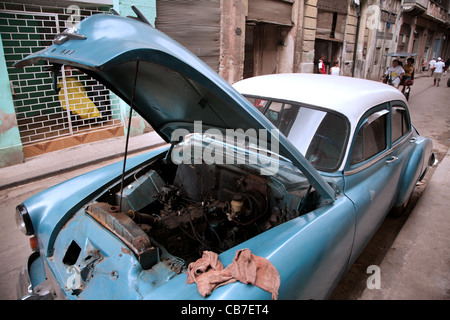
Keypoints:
pixel 430 115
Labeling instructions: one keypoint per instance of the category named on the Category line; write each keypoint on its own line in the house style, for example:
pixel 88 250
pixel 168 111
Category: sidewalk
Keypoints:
pixel 57 162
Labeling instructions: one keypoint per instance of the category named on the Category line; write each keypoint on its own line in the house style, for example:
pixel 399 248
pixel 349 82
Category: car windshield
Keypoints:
pixel 318 134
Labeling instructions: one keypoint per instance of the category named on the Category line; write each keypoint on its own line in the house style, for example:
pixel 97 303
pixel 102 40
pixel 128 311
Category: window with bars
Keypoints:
pixel 82 103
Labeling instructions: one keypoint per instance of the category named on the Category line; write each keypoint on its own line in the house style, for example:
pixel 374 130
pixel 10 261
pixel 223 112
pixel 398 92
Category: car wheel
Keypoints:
pixel 397 212
pixel 407 91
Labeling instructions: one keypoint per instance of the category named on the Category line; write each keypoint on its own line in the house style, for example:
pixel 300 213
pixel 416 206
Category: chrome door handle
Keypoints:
pixel 414 139
pixel 392 159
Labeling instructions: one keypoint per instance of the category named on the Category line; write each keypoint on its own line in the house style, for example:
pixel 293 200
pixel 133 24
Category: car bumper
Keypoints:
pixel 36 282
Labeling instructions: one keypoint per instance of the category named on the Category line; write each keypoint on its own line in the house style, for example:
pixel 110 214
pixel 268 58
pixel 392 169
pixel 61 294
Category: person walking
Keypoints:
pixel 432 65
pixel 439 69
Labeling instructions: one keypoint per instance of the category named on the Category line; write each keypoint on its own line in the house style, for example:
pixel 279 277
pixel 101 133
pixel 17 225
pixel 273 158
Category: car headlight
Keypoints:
pixel 23 220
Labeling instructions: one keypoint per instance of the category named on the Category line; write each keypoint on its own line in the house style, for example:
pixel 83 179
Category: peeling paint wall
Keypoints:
pixel 11 150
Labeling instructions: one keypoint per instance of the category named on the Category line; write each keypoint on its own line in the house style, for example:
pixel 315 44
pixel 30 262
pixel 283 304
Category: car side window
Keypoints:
pixel 319 135
pixel 371 138
pixel 400 123
pixel 325 149
pixel 282 115
pixel 260 104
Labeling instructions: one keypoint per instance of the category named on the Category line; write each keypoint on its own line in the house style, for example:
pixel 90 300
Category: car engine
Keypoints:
pixel 186 209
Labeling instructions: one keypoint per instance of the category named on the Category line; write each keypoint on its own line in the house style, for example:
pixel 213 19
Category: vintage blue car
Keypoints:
pixel 300 169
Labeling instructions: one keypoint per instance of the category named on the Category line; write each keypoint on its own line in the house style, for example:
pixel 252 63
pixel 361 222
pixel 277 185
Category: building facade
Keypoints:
pixel 238 39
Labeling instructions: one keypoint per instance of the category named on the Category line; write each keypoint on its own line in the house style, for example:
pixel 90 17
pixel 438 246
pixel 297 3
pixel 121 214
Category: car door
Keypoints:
pixel 403 145
pixel 372 174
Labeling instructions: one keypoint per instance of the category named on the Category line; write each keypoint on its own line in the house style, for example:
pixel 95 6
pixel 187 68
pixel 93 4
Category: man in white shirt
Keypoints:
pixel 394 74
pixel 439 68
pixel 432 65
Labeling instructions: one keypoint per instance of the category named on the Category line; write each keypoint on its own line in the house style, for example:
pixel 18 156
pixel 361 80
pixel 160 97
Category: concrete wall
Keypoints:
pixel 11 151
pixel 232 39
pixel 306 34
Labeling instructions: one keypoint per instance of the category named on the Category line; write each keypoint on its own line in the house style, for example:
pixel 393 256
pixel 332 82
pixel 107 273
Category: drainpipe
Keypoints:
pixel 355 50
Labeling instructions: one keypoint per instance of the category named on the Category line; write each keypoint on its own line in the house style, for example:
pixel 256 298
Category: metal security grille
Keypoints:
pixel 82 104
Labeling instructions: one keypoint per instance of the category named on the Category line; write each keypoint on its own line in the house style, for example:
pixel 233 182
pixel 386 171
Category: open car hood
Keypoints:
pixel 173 88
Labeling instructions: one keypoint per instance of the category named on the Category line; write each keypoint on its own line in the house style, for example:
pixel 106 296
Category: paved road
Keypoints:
pixel 430 114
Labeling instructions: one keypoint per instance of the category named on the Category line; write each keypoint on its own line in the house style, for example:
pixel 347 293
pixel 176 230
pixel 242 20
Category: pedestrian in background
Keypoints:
pixel 409 69
pixel 439 68
pixel 335 70
pixel 394 74
pixel 408 78
pixel 447 64
pixel 432 66
pixel 321 65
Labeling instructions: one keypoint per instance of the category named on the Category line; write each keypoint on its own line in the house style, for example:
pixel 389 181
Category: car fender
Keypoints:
pixel 415 168
pixel 50 209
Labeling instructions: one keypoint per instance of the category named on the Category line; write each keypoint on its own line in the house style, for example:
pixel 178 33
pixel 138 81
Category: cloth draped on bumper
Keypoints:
pixel 209 274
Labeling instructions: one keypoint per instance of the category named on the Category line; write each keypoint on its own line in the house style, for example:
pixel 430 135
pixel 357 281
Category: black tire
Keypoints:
pixel 399 211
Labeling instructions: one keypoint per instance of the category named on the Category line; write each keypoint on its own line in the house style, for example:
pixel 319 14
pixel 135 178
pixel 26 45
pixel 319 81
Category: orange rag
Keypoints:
pixel 246 267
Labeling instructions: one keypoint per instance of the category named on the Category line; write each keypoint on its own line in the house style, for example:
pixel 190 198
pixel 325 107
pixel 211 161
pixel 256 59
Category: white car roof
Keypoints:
pixel 349 96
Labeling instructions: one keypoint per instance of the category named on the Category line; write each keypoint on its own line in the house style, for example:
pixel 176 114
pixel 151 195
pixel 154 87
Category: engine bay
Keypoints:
pixel 185 209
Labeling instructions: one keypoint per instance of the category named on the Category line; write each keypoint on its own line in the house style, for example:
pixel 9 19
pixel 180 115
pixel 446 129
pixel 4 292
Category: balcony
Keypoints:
pixel 415 7
pixel 437 11
pixel 430 9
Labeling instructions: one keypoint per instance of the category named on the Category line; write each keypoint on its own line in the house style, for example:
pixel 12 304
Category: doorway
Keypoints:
pixel 331 49
pixel 261 49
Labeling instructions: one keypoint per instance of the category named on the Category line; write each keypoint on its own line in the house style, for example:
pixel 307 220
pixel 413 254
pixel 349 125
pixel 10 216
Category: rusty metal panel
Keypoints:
pixel 127 230
pixel 194 24
pixel 270 11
